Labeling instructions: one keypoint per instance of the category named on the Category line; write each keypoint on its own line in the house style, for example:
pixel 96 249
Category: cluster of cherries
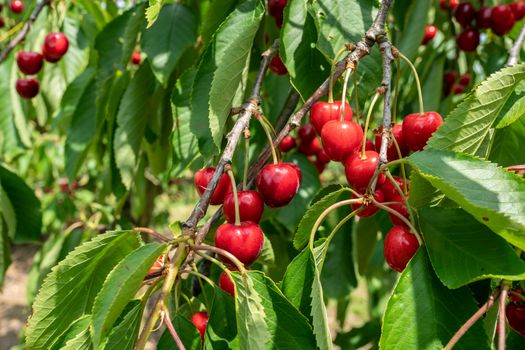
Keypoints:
pixel 30 63
pixel 16 6
pixel 515 311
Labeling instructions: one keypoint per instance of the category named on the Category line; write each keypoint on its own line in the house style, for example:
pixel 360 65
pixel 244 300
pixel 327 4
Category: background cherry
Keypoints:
pixel 2 22
pixel 55 46
pixel 399 247
pixel 465 13
pixel 359 171
pixel 251 206
pixel 306 133
pixel 430 33
pixel 278 183
pixel 311 148
pixel 287 144
pixel 29 62
pixel 518 9
pixel 203 178
pixel 400 207
pixel 275 8
pixel 516 316
pixel 483 17
pixel 277 66
pixel 468 40
pixel 341 138
pixel 27 88
pixel 136 58
pixel 370 209
pixel 417 128
pixel 397 131
pixel 17 6
pixel 502 19
pixel 322 112
pixel 226 284
pixel 200 321
pixel 244 241
pixel 389 190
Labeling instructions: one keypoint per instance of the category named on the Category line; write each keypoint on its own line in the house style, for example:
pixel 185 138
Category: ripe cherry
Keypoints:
pixel 518 9
pixel 251 206
pixel 278 183
pixel 418 128
pixel 322 112
pixel 369 209
pixel 483 17
pixel 203 178
pixel 29 62
pixel 287 144
pixel 458 89
pixel 27 88
pixel 341 138
pixel 370 146
pixel 392 154
pixel 399 247
pixel 465 13
pixel 448 4
pixel 400 207
pixel 311 148
pixel 465 79
pixel 55 46
pixel 322 157
pixel 516 316
pixel 200 321
pixel 225 282
pixel 136 58
pixel 277 66
pixel 430 33
pixel 389 190
pixel 275 8
pixel 17 6
pixel 502 19
pixel 244 241
pixel 468 40
pixel 359 171
pixel 306 133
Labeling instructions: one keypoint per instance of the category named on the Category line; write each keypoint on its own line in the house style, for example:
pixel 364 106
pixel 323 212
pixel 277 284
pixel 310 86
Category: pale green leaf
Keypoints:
pixel 153 10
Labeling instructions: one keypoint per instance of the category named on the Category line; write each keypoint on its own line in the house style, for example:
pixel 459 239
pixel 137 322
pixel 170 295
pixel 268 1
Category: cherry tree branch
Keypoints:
pixel 514 51
pixel 25 29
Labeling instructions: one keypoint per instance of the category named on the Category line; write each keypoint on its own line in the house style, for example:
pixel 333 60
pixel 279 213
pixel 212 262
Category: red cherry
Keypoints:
pixel 244 241
pixel 16 6
pixel 370 146
pixel 397 131
pixel 468 40
pixel 203 178
pixel 27 88
pixel 275 8
pixel 465 13
pixel 514 298
pixel 400 208
pixel 465 79
pixel 502 19
pixel 483 17
pixel 287 144
pixel 306 133
pixel 341 138
pixel 226 284
pixel 29 62
pixel 359 171
pixel 516 316
pixel 370 209
pixel 389 190
pixel 430 33
pixel 450 77
pixel 251 206
pixel 322 112
pixel 309 149
pixel 448 4
pixel 320 166
pixel 399 247
pixel 55 46
pixel 136 58
pixel 518 9
pixel 322 157
pixel 418 128
pixel 458 89
pixel 278 183
pixel 200 321
pixel 277 66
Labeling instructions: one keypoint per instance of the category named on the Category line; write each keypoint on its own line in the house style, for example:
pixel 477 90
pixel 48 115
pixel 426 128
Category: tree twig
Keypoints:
pixel 173 332
pixel 514 51
pixel 502 322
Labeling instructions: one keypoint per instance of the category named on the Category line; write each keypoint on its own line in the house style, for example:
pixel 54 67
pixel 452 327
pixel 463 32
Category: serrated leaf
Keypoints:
pixel 213 13
pixel 505 143
pixel 514 108
pixel 77 336
pixel 422 193
pixel 152 11
pixel 319 316
pixel 423 314
pixel 124 334
pixel 69 291
pixel 493 196
pixel 120 286
pixel 298 280
pixel 466 127
pixel 463 251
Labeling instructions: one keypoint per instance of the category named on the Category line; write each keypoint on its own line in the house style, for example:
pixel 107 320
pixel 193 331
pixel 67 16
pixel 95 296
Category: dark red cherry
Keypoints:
pixel 448 4
pixel 514 298
pixel 465 13
pixel 27 88
pixel 430 33
pixel 468 40
pixel 136 58
pixel 29 62
pixel 244 241
pixel 400 208
pixel 516 316
pixel 502 19
pixel 399 247
pixel 392 154
pixel 359 171
pixel 17 6
pixel 341 138
pixel 311 148
pixel 200 321
pixel 369 209
pixel 203 178
pixel 226 284
pixel 389 190
pixel 275 8
pixel 483 17
pixel 251 206
pixel 518 9
pixel 322 112
pixel 287 144
pixel 55 46
pixel 278 183
pixel 417 128
pixel 277 66
pixel 370 146
pixel 458 89
pixel 465 79
pixel 322 157
pixel 306 133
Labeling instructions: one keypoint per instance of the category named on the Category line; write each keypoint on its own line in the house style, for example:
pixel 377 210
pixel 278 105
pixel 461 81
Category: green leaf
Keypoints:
pixel 514 108
pixel 306 65
pixel 422 314
pixel 298 281
pixel 9 139
pixel 152 11
pixel 365 233
pixel 175 30
pixel 77 336
pixel 187 332
pixel 319 315
pixel 213 13
pixel 124 334
pixel 505 143
pixel 415 18
pixel 466 127
pixel 5 251
pixel 120 286
pixel 69 291
pixel 422 193
pixel 493 196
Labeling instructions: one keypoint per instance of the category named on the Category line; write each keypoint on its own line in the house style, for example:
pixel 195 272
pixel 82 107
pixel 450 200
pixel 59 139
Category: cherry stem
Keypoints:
pixel 396 92
pixel 222 266
pixel 200 276
pixel 172 330
pixel 403 195
pixel 517 294
pixel 343 97
pixel 270 140
pixel 246 159
pixel 418 83
pixel 403 172
pixel 401 217
pixel 502 323
pixel 235 198
pixel 356 96
pixel 219 251
pixel 152 233
pixel 367 122
pixel 331 83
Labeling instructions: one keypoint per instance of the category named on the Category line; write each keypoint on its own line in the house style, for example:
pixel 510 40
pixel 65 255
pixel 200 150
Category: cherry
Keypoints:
pixel 465 13
pixel 322 112
pixel 311 148
pixel 448 4
pixel 320 166
pixel 448 81
pixel 502 19
pixel 399 247
pixel 465 79
pixel 278 183
pixel 370 146
pixel 359 171
pixel 370 209
pixel 27 88
pixel 29 62
pixel 418 128
pixel 397 131
pixel 516 316
pixel 136 58
pixel 200 321
pixel 430 33
pixel 16 6
pixel 458 89
pixel 277 66
pixel 322 157
pixel 468 40
pixel 203 178
pixel 275 8
pixel 287 144
pixel 514 298
pixel 244 241
pixel 518 9
pixel 483 17
pixel 55 46
pixel 341 138
pixel 389 190
pixel 306 133
pixel 400 207
pixel 225 282
pixel 1 7
pixel 251 206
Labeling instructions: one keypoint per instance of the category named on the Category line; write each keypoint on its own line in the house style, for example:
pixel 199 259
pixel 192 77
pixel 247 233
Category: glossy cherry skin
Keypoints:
pixel 278 183
pixel 200 321
pixel 468 40
pixel 400 208
pixel 251 206
pixel 55 46
pixel 389 190
pixel 516 316
pixel 27 88
pixel 430 33
pixel 518 9
pixel 502 19
pixel 359 171
pixel 287 144
pixel 203 178
pixel 226 284
pixel 277 66
pixel 322 157
pixel 311 148
pixel 306 133
pixel 417 129
pixel 244 241
pixel 29 62
pixel 399 247
pixel 369 209
pixel 275 8
pixel 341 138
pixel 483 17
pixel 392 154
pixel 465 13
pixel 322 112
pixel 136 58
pixel 17 6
